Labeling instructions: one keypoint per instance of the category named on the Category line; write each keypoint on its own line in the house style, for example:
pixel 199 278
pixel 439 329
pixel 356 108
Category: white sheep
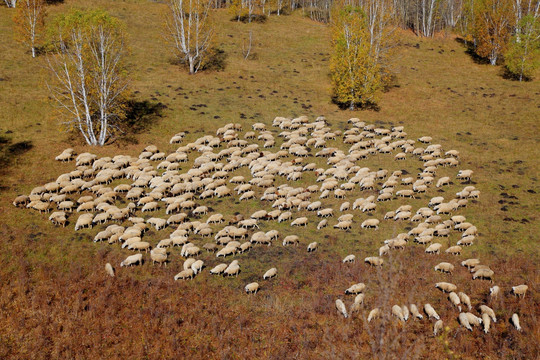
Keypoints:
pixel 486 321
pixel 340 306
pixel 85 220
pixel 355 289
pixel 415 312
pixel 434 248
pixel 370 223
pixel 252 288
pixel 185 274
pixel 464 321
pixel 486 274
pixel 374 261
pixel 373 314
pixel 444 267
pixel 494 291
pixel 197 266
pixel 232 269
pixel 349 259
pixel 454 299
pixel 109 269
pixel 132 260
pixel 218 269
pixel 322 224
pixel 437 327
pixel 484 309
pixel 312 247
pixel 515 322
pixel 465 299
pixel 398 312
pixel 291 240
pixel 158 256
pixel 301 221
pixel 520 290
pixel 430 312
pixel 446 287
pixel 270 274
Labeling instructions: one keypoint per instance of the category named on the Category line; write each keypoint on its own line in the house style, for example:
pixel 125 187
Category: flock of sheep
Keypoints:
pixel 182 181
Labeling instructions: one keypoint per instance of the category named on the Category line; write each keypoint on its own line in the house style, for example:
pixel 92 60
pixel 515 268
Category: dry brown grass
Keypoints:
pixel 56 301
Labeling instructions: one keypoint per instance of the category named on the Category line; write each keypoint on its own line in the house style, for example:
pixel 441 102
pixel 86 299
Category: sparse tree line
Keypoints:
pixel 85 51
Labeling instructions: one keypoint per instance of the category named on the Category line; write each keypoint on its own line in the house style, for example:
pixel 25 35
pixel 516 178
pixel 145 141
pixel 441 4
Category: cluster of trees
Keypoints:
pixel 86 50
pixel 362 37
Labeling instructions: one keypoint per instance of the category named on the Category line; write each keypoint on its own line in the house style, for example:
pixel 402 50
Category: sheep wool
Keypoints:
pixel 340 306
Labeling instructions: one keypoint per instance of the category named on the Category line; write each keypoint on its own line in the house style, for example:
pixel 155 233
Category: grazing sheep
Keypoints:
pixel 349 259
pixel 484 309
pixel 515 322
pixel 291 240
pixel 434 248
pixel 355 289
pixel 485 274
pixel 21 201
pixel 312 247
pixel 473 319
pixel 322 224
pixel 132 260
pixel 373 314
pixel 430 312
pixel 370 223
pixel 343 225
pixel 139 245
pixel 185 274
pixel 470 263
pixel 454 299
pixel 443 181
pixel 252 288
pixel 232 269
pixel 85 220
pixel 109 269
pixel 437 327
pixel 398 312
pixel 340 306
pixel 218 269
pixel 454 250
pixel 520 290
pixel 494 291
pixel 444 267
pixel 270 273
pixel 486 321
pixel 197 266
pixel 158 256
pixel 374 261
pixel 446 287
pixel 464 175
pixel 464 321
pixel 415 312
pixel 405 311
pixel 301 221
pixel 465 299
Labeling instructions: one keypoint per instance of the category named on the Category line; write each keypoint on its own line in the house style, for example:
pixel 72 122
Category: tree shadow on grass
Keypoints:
pixel 9 152
pixel 469 50
pixel 140 116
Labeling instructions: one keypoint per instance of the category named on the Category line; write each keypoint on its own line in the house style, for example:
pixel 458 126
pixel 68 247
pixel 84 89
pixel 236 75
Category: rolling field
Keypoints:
pixel 56 301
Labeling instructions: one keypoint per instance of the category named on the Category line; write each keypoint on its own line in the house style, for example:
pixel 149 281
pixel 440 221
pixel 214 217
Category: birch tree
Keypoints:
pixel 11 3
pixel 190 29
pixel 362 39
pixel 523 56
pixel 492 28
pixel 30 20
pixel 88 77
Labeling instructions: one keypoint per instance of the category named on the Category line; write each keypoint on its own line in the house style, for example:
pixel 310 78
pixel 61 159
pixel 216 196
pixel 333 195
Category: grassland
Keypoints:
pixel 56 302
